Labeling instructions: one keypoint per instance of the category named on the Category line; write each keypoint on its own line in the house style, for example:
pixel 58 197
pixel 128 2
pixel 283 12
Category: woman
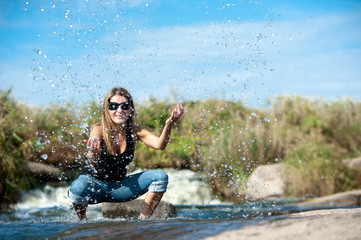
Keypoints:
pixel 111 148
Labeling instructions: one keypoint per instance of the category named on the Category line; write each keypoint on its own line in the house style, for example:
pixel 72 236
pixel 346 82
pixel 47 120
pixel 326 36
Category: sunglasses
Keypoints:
pixel 123 105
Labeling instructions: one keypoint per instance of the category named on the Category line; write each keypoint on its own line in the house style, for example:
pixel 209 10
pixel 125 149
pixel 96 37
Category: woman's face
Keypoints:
pixel 119 115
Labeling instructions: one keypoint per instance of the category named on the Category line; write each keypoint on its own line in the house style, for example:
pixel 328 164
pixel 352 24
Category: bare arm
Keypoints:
pixel 93 143
pixel 161 142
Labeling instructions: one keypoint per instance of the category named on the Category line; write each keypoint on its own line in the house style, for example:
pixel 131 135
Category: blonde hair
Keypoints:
pixel 108 126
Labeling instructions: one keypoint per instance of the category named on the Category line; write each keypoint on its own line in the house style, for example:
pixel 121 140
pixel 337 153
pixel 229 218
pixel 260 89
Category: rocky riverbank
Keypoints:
pixel 332 224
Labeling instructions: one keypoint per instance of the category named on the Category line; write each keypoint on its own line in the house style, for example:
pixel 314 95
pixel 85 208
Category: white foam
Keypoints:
pixel 186 187
pixel 43 198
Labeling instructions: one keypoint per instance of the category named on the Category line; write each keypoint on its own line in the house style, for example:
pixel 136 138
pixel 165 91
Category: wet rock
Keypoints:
pixel 266 181
pixel 313 225
pixel 43 171
pixel 344 199
pixel 354 163
pixel 132 210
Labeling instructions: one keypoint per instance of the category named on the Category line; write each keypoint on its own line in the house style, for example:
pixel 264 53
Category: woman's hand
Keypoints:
pixel 93 145
pixel 176 114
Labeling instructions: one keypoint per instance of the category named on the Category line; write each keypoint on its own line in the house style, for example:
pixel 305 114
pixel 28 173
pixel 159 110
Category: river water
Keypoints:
pixel 47 214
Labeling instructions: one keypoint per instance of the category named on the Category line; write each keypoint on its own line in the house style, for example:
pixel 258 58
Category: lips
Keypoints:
pixel 120 117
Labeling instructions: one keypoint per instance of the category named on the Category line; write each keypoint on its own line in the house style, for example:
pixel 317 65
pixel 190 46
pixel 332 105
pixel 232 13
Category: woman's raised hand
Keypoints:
pixel 176 114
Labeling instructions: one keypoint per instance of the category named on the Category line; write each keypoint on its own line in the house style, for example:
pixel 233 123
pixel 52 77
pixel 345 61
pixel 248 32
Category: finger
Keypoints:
pixel 180 107
pixel 176 114
pixel 93 140
pixel 94 143
pixel 179 110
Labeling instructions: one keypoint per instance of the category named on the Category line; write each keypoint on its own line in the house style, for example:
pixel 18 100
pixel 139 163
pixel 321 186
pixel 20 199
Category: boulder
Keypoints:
pixel 354 163
pixel 132 210
pixel 43 171
pixel 344 199
pixel 266 181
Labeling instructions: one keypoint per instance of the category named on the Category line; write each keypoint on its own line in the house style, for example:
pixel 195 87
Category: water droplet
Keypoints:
pixel 38 51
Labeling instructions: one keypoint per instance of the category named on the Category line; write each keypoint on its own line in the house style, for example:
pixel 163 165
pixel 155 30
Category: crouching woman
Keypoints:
pixel 111 146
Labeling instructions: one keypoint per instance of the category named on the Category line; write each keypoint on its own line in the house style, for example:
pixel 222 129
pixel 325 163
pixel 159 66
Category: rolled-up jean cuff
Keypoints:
pixel 75 199
pixel 158 186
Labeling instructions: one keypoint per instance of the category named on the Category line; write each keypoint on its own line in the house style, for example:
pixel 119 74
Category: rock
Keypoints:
pixel 344 199
pixel 354 163
pixel 314 225
pixel 132 210
pixel 266 181
pixel 43 171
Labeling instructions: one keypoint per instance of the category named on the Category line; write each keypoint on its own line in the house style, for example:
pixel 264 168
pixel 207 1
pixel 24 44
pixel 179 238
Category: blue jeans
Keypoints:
pixel 89 190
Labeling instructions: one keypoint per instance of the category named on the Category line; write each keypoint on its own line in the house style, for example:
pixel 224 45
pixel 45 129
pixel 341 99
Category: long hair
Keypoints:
pixel 108 126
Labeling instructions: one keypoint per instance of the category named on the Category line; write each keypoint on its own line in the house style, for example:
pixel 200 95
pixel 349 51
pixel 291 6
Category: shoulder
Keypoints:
pixel 96 129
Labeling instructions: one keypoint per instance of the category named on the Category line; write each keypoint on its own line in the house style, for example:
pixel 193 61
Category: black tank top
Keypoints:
pixel 112 168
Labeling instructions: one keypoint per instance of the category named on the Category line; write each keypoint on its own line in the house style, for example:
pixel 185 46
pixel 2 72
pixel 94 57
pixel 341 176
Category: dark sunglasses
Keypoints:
pixel 123 105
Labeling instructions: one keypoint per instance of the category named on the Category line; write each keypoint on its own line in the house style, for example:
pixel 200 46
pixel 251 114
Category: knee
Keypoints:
pixel 80 186
pixel 160 175
pixel 160 181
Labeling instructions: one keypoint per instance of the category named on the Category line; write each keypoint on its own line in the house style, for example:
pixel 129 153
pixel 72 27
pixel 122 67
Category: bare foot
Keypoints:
pixel 150 203
pixel 80 210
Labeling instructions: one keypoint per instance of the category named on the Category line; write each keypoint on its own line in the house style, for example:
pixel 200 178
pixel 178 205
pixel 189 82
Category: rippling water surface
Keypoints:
pixel 190 222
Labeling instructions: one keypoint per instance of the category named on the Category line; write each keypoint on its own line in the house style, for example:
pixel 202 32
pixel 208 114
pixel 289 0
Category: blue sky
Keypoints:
pixel 75 50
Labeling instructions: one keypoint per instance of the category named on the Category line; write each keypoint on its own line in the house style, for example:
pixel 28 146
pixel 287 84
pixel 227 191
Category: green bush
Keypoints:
pixel 15 145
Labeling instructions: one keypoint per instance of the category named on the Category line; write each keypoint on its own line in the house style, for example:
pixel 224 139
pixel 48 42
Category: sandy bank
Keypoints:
pixel 332 224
